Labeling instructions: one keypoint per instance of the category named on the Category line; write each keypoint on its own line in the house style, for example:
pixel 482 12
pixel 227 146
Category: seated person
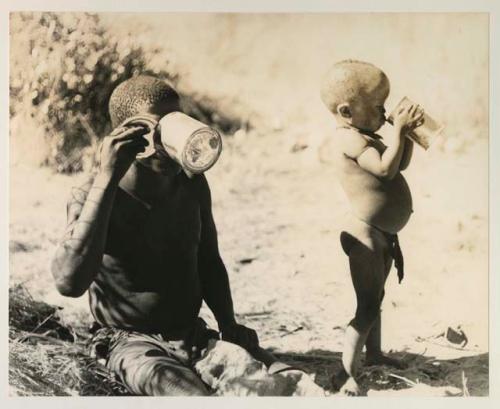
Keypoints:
pixel 142 241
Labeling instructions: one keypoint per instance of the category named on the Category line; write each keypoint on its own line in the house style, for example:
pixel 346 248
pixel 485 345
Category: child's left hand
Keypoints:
pixel 409 118
pixel 239 334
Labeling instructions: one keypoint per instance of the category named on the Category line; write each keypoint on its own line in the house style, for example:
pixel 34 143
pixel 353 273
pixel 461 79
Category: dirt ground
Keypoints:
pixel 278 218
pixel 279 211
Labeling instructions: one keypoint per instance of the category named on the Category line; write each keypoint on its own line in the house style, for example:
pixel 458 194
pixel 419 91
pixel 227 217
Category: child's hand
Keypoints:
pixel 119 149
pixel 408 118
pixel 239 334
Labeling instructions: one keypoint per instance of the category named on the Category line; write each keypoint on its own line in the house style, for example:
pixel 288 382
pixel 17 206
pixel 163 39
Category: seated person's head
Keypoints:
pixel 355 92
pixel 145 95
pixel 142 95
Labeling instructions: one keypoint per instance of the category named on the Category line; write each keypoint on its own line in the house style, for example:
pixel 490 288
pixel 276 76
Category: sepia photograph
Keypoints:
pixel 248 204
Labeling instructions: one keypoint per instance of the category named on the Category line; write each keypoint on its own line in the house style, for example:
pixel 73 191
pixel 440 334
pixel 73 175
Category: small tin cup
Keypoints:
pixel 194 145
pixel 425 134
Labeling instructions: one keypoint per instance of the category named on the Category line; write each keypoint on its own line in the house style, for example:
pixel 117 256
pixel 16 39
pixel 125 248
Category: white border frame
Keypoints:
pixel 264 6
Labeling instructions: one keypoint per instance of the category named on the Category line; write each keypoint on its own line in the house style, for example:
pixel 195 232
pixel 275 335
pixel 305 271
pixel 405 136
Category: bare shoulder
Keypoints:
pixel 350 142
pixel 204 198
pixel 203 189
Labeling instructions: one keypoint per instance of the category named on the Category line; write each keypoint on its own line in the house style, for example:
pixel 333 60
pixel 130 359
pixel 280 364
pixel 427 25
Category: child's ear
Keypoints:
pixel 344 111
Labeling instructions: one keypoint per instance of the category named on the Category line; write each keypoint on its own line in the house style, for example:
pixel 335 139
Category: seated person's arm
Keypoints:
pixel 79 254
pixel 214 278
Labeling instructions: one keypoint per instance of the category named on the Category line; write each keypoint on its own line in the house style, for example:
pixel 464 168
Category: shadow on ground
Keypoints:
pixel 469 375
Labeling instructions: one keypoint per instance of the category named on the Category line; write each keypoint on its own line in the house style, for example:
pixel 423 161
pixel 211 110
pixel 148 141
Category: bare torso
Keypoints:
pixel 149 274
pixel 383 203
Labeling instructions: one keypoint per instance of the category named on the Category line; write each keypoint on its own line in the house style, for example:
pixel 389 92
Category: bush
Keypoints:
pixel 64 67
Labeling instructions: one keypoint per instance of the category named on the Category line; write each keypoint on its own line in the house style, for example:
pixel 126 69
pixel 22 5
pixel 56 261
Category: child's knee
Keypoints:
pixel 366 315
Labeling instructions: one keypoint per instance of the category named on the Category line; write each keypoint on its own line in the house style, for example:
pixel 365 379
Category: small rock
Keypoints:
pixel 297 147
pixel 456 336
pixel 247 260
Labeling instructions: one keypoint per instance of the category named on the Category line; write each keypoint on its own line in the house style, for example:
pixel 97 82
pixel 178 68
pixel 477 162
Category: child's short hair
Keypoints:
pixel 349 79
pixel 136 94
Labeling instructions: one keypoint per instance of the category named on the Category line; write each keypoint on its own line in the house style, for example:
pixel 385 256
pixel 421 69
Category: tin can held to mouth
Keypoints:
pixel 192 144
pixel 425 134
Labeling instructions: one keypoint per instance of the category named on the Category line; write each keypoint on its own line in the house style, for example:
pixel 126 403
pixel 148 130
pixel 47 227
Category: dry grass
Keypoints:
pixel 47 358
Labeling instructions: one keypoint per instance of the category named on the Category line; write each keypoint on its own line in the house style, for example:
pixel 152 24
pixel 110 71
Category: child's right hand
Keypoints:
pixel 119 149
pixel 408 118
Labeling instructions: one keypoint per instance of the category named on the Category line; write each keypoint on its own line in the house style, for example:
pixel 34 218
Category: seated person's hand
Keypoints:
pixel 239 334
pixel 119 149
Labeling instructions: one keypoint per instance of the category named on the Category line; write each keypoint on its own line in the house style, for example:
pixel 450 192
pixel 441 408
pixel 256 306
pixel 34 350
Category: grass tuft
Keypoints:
pixel 48 358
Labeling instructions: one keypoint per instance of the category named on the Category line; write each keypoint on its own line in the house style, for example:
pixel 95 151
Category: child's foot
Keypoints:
pixel 350 388
pixel 381 359
pixel 339 379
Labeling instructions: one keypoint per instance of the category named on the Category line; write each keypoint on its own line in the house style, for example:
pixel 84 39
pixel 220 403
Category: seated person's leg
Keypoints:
pixel 146 368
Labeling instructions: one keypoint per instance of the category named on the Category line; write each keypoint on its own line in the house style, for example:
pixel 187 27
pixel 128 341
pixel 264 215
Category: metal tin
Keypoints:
pixel 194 145
pixel 425 134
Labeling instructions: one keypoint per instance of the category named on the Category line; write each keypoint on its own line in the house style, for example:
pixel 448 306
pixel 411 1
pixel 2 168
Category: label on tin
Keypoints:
pixel 202 150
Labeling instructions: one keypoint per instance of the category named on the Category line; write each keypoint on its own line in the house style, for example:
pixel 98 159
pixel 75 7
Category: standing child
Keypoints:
pixel 369 171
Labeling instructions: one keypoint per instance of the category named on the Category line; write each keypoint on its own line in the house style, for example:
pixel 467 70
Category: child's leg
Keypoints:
pixel 374 355
pixel 374 342
pixel 366 261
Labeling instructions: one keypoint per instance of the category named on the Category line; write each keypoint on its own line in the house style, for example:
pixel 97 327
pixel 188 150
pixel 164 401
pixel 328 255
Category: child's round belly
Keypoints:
pixel 385 204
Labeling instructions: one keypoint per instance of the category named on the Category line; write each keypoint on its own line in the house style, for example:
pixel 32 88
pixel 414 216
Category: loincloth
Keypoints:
pixel 362 231
pixel 397 254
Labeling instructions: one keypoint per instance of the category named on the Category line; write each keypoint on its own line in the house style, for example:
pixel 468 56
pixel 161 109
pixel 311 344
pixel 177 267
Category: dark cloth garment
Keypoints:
pixel 397 255
pixel 395 252
pixel 362 232
pixel 154 363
